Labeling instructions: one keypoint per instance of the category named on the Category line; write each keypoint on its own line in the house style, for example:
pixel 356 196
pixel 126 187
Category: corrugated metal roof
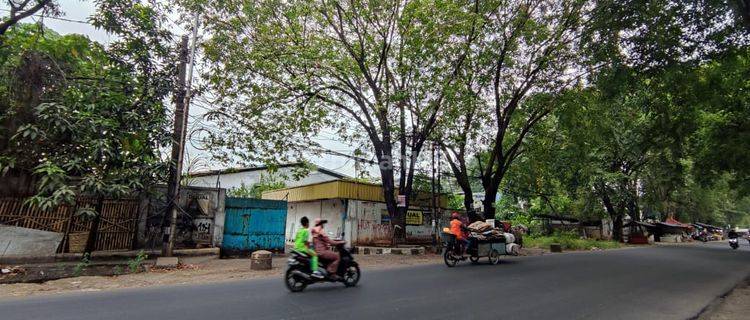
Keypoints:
pixel 264 168
pixel 343 189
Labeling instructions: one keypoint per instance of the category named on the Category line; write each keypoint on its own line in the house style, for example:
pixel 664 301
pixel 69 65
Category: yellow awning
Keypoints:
pixel 343 189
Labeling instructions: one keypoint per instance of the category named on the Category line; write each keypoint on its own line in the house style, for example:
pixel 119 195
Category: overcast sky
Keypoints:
pixel 80 10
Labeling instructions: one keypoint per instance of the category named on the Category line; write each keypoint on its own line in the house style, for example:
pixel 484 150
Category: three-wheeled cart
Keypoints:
pixel 491 249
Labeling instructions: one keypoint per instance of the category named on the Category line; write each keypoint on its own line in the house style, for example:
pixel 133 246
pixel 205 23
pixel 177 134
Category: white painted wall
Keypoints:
pixel 249 178
pixel 333 210
pixel 357 219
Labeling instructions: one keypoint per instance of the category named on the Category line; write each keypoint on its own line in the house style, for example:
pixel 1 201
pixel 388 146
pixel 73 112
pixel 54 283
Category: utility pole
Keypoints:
pixel 434 206
pixel 179 136
pixel 178 146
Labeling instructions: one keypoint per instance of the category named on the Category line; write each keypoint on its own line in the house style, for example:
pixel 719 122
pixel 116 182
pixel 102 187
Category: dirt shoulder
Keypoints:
pixel 193 271
pixel 735 306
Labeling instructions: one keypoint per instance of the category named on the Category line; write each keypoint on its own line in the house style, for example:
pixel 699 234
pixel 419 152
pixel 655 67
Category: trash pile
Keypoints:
pixel 483 231
pixel 11 270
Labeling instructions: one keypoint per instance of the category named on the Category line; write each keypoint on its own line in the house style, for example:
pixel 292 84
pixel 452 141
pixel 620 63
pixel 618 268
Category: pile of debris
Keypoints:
pixel 11 270
pixel 483 231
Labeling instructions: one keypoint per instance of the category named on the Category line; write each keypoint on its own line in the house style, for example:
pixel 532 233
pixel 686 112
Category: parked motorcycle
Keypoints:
pixel 298 275
pixel 734 243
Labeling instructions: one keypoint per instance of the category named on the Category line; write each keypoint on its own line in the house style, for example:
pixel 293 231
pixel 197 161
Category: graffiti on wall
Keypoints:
pixel 419 234
pixel 369 232
pixel 195 218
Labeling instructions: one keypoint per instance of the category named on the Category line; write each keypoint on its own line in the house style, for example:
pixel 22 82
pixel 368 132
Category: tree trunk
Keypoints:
pixel 468 200
pixel 490 193
pixel 395 213
pixel 614 214
pixel 617 227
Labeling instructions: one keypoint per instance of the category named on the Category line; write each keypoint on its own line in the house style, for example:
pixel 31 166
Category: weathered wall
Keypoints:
pixel 16 241
pixel 200 222
pixel 370 223
pixel 362 223
pixel 333 210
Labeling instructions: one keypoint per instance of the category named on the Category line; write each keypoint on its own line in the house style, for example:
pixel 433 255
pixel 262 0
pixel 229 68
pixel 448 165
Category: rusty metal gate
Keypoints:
pixel 253 224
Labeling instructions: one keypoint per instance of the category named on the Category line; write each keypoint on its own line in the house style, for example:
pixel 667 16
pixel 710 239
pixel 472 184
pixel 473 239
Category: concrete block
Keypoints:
pixel 17 241
pixel 555 247
pixel 260 260
pixel 167 262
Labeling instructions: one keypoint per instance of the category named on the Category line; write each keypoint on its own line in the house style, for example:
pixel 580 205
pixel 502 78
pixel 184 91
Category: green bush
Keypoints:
pixel 135 264
pixel 568 241
pixel 82 265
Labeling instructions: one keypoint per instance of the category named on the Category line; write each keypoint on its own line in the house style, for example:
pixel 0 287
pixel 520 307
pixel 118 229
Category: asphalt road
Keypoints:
pixel 674 282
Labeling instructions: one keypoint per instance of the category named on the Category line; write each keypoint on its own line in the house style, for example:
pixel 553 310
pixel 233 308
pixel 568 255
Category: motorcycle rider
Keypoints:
pixel 457 229
pixel 322 245
pixel 302 244
pixel 732 234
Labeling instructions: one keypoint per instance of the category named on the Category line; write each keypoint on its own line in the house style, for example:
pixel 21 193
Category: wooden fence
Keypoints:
pixel 117 226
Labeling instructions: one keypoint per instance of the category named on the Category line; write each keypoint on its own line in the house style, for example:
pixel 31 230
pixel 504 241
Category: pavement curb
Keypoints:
pixel 411 251
pixel 105 255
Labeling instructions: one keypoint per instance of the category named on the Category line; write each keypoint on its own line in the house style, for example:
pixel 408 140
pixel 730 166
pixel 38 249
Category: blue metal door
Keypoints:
pixel 253 224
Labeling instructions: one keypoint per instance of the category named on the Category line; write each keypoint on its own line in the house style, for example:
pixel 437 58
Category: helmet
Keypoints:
pixel 455 215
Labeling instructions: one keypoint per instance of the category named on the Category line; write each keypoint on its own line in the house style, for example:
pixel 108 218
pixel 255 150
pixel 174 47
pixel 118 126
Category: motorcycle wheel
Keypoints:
pixel 449 259
pixel 351 276
pixel 293 283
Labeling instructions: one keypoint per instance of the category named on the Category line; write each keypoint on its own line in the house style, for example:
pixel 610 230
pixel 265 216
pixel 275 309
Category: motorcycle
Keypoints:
pixel 298 274
pixel 734 243
pixel 453 252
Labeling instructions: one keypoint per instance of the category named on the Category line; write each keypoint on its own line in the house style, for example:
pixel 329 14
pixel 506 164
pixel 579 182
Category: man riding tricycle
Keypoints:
pixel 475 241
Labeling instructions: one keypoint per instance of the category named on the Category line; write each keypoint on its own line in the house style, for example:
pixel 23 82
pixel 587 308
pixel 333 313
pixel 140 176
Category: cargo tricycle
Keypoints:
pixel 492 249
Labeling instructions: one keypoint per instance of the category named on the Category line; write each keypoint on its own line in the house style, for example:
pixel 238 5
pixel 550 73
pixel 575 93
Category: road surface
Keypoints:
pixel 662 282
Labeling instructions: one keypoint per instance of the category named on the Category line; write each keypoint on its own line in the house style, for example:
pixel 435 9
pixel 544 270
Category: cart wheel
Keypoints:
pixel 494 257
pixel 474 259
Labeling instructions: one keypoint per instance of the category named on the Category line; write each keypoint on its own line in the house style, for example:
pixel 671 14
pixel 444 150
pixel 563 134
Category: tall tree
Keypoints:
pixel 379 71
pixel 526 47
pixel 22 9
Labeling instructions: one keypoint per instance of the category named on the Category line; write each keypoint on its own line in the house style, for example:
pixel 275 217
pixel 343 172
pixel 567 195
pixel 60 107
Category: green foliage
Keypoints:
pixel 82 265
pixel 455 202
pixel 266 183
pixel 722 142
pixel 82 119
pixel 117 270
pixel 568 241
pixel 134 265
pixel 376 72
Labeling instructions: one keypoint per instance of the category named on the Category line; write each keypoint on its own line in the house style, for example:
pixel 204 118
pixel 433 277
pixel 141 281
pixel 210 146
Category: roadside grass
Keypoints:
pixel 568 241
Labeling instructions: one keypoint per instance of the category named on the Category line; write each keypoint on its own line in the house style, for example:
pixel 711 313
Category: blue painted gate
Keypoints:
pixel 253 224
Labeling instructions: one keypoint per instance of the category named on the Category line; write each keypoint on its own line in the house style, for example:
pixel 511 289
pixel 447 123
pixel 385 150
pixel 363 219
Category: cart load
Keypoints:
pixel 485 232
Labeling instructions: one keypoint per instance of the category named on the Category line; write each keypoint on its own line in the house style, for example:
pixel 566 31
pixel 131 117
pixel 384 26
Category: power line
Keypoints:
pixel 55 18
